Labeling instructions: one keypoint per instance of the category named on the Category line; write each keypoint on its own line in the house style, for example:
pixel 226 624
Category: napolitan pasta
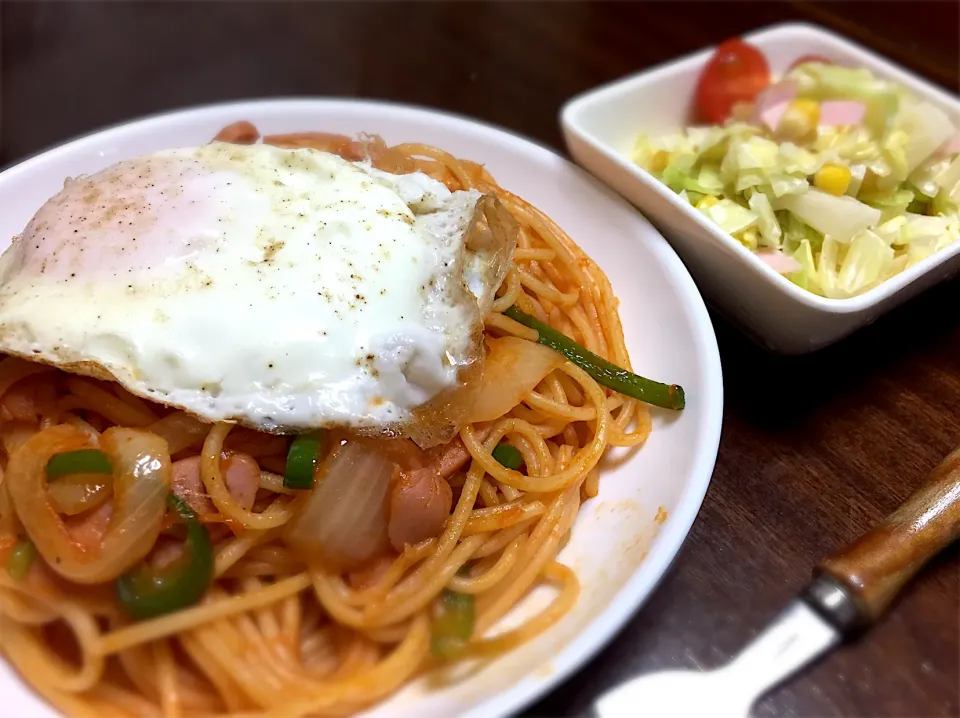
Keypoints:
pixel 257 597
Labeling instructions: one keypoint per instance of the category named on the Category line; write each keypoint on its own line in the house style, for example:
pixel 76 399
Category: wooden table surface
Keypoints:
pixel 814 449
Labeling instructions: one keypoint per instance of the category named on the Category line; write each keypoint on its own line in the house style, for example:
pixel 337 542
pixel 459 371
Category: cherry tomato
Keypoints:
pixel 737 72
pixel 810 58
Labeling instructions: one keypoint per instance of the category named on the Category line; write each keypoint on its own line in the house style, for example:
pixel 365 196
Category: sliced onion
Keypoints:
pixel 491 238
pixel 19 403
pixel 8 517
pixel 344 519
pixel 94 396
pixel 15 434
pixel 512 369
pixel 141 482
pixel 76 493
pixel 180 430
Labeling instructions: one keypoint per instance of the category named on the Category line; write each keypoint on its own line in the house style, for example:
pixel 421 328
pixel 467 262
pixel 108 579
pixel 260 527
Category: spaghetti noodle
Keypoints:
pixel 279 635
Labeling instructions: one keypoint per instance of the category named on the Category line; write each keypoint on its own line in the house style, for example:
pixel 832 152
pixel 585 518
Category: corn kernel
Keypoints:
pixel 832 178
pixel 810 109
pixel 799 120
pixel 748 237
pixel 708 201
pixel 659 161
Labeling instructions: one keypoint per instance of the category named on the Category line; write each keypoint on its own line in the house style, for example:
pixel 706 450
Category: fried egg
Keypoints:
pixel 282 289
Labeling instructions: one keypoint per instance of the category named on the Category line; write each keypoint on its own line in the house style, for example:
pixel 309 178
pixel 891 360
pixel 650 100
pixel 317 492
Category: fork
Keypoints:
pixel 849 592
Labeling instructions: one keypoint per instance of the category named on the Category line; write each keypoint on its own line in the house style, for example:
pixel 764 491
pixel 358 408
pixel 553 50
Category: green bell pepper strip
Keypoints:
pixel 508 456
pixel 81 461
pixel 452 624
pixel 668 396
pixel 147 592
pixel 302 461
pixel 21 559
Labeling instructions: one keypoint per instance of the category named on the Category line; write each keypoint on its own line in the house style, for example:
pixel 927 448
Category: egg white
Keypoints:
pixel 284 289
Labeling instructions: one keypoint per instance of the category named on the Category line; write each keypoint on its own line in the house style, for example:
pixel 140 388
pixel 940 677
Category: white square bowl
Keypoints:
pixel 601 126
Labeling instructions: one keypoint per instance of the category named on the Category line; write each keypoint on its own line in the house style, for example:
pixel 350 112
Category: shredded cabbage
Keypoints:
pixel 730 216
pixel 926 127
pixel 863 265
pixel 806 277
pixel 924 178
pixel 891 204
pixel 948 180
pixel 900 204
pixel 840 217
pixel 767 224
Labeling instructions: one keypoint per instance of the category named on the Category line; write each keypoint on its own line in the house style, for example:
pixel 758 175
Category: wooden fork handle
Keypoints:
pixel 853 588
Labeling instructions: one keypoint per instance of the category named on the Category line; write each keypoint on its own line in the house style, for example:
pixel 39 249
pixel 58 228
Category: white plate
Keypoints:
pixel 617 548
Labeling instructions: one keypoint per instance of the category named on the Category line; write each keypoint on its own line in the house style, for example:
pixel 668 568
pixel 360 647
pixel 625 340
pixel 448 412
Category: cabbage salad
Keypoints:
pixel 834 177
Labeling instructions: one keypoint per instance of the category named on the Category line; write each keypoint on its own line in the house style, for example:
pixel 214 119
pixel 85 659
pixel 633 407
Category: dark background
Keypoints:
pixel 814 449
